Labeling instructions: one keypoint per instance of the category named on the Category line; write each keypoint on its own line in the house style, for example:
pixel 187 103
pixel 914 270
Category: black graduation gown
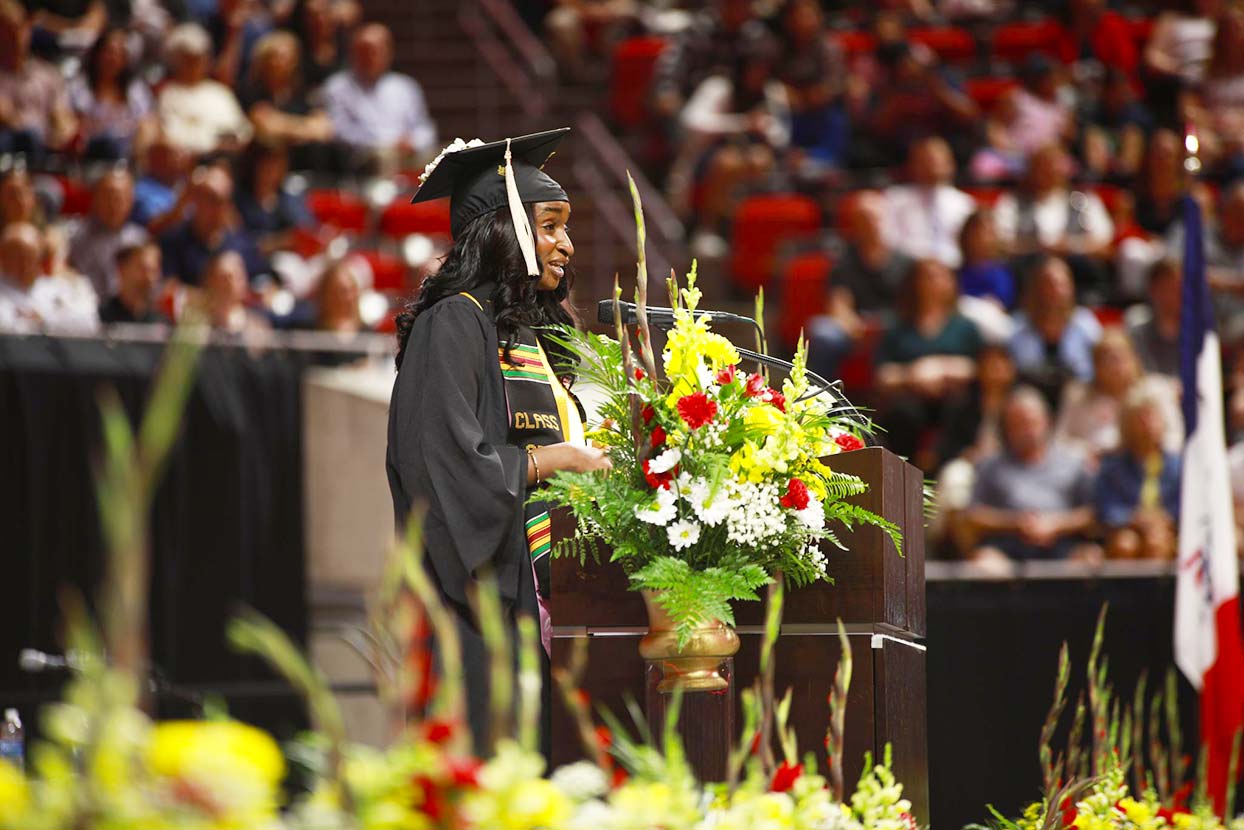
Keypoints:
pixel 448 451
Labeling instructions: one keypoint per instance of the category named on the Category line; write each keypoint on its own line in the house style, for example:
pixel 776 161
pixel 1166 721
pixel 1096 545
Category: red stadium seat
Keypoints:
pixel 761 224
pixel 1108 316
pixel 388 272
pixel 1142 28
pixel 950 43
pixel 805 279
pixel 342 210
pixel 634 61
pixel 854 44
pixel 986 197
pixel 1013 42
pixel 1109 195
pixel 987 92
pixel 401 218
pixel 77 197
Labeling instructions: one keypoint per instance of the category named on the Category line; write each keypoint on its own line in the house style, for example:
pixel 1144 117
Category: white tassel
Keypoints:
pixel 522 228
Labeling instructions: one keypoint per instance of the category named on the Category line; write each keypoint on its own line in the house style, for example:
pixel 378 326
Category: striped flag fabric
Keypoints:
pixel 1208 647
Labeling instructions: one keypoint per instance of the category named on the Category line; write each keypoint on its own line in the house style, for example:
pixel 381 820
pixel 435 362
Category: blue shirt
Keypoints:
pixel 1116 493
pixel 1074 350
pixel 988 279
pixel 151 198
pixel 185 255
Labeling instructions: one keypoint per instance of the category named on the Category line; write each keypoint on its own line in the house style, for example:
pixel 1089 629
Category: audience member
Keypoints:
pixel 924 217
pixel 375 109
pixel 114 107
pixel 1216 106
pixel 1093 37
pixel 813 70
pixel 984 273
pixel 1047 217
pixel 1224 262
pixel 234 28
pixel 275 99
pixel 95 240
pixel 1033 500
pixel 927 355
pixel 160 192
pixel 578 29
pixel 1054 337
pixel 18 201
pixel 712 44
pixel 337 299
pixel 31 302
pixel 138 277
pixel 1160 186
pixel 270 211
pixel 224 296
pixel 1137 488
pixel 971 426
pixel 1031 116
pixel 1113 127
pixel 1178 50
pixel 35 115
pixel 211 229
pixel 198 113
pixel 321 29
pixel 865 281
pixel 735 124
pixel 914 99
pixel 1089 414
pixel 1155 334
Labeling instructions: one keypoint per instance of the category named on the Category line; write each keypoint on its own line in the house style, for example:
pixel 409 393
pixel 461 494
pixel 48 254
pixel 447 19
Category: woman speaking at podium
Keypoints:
pixel 481 410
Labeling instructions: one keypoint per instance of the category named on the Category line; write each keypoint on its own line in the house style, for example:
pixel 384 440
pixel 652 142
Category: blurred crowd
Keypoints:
pixel 993 258
pixel 164 155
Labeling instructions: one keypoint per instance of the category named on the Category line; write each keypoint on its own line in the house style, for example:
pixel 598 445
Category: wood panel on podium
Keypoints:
pixel 878 595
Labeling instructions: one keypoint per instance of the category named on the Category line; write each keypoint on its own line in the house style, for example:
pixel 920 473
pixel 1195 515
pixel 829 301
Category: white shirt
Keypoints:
pixel 924 222
pixel 198 117
pixel 381 115
pixel 55 305
pixel 1051 219
pixel 709 112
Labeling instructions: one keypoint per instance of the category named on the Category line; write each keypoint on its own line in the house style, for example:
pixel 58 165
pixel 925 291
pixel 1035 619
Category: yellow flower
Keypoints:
pixel 1137 812
pixel 14 796
pixel 228 769
pixel 767 419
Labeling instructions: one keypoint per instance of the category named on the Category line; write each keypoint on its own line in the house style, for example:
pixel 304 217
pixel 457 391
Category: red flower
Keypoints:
pixel 465 771
pixel 1068 810
pixel 656 480
pixel 604 738
pixel 639 373
pixel 619 777
pixel 909 821
pixel 754 387
pixel 647 412
pixel 437 731
pixel 847 442
pixel 658 436
pixel 796 496
pixel 696 410
pixel 785 777
pixel 777 399
pixel 430 804
pixel 726 375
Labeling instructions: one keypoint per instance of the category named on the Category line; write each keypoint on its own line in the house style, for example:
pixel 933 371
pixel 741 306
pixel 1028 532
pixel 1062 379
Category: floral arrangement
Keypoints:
pixel 719 480
pixel 455 146
pixel 1123 767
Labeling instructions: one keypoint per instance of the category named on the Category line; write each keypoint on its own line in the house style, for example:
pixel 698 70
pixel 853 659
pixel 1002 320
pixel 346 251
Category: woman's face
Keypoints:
pixel 112 56
pixel 340 297
pixel 934 286
pixel 278 67
pixel 553 246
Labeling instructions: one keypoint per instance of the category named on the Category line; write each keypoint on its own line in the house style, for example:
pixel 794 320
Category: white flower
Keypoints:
pixel 661 510
pixel 812 516
pixel 665 462
pixel 454 146
pixel 710 507
pixel 755 515
pixel 683 534
pixel 706 376
pixel 581 781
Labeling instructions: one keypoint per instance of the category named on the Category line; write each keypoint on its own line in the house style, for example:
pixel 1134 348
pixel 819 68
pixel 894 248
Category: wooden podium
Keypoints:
pixel 878 595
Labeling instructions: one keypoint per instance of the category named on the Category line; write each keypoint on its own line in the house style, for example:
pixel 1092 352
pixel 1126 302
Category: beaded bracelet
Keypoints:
pixel 531 455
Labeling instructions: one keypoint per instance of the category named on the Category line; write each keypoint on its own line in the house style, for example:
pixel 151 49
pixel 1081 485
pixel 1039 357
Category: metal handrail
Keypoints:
pixel 525 67
pixel 364 344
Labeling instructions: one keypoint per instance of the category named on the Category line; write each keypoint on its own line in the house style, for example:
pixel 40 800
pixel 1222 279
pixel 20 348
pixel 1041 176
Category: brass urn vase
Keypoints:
pixel 696 667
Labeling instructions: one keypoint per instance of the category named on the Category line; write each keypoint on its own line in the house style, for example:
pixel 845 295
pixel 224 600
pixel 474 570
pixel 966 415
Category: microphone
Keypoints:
pixel 662 318
pixel 33 661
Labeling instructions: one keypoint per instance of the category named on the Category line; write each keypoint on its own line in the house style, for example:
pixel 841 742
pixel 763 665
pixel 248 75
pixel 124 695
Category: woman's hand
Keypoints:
pixel 571 458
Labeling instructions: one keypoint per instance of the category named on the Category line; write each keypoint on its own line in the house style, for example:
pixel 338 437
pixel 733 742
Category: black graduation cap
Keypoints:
pixel 474 177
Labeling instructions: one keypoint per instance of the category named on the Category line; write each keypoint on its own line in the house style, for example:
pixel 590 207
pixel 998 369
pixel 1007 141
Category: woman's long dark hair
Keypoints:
pixel 487 252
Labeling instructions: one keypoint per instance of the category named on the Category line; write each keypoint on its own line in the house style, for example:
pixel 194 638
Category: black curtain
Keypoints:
pixel 226 527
